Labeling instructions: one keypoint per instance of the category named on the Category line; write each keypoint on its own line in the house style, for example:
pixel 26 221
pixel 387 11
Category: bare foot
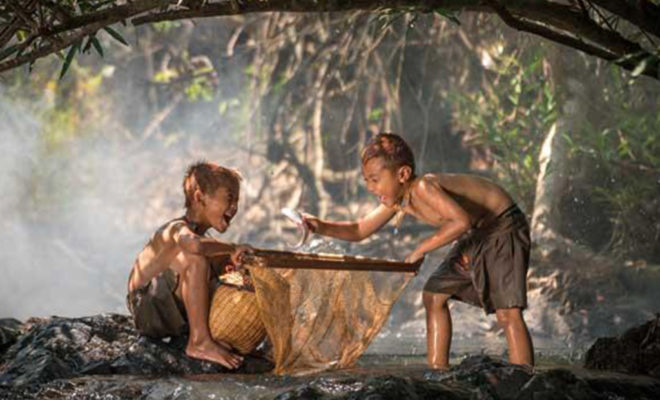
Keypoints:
pixel 210 351
pixel 224 345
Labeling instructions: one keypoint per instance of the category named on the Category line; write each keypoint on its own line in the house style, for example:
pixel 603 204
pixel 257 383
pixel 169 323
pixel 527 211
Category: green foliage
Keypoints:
pixel 93 41
pixel 226 105
pixel 195 76
pixel 624 144
pixel 166 26
pixel 509 118
pixel 116 35
pixel 376 114
pixel 199 89
pixel 69 58
pixel 8 51
pixel 77 47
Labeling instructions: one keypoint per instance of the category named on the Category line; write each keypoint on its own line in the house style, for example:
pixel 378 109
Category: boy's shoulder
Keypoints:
pixel 167 230
pixel 172 224
pixel 427 180
pixel 442 182
pixel 449 178
pixel 434 177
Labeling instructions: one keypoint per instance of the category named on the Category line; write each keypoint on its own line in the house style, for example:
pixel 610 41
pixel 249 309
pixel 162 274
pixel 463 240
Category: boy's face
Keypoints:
pixel 384 182
pixel 220 207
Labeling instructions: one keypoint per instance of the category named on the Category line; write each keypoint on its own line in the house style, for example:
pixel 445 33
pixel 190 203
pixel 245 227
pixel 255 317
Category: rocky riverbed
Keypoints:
pixel 102 357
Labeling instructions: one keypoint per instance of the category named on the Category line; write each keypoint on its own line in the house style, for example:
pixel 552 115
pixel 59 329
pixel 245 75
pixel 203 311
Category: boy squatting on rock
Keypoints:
pixel 486 267
pixel 171 282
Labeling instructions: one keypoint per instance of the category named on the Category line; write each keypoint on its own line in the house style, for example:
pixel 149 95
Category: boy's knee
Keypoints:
pixel 434 300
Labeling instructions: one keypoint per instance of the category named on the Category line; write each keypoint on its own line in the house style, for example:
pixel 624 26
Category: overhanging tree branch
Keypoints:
pixel 641 13
pixel 618 50
pixel 557 22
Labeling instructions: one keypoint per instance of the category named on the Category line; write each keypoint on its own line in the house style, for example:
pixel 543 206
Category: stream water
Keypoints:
pixel 269 386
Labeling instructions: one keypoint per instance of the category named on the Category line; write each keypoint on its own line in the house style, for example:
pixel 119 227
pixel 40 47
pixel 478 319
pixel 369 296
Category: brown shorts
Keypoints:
pixel 488 266
pixel 157 311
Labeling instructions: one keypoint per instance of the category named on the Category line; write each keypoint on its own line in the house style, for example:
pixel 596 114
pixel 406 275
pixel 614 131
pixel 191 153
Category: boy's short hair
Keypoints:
pixel 391 148
pixel 208 177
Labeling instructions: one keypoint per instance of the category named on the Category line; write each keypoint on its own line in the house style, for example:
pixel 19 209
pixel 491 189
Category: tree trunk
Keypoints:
pixel 552 180
pixel 550 184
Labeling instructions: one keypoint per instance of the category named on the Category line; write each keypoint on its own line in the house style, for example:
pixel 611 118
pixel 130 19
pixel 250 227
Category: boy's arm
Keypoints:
pixel 353 231
pixel 456 220
pixel 191 242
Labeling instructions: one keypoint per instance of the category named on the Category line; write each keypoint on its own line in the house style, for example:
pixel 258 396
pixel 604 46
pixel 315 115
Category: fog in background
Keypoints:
pixel 73 221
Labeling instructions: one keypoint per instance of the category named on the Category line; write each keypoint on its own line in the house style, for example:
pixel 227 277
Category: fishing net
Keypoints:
pixel 321 319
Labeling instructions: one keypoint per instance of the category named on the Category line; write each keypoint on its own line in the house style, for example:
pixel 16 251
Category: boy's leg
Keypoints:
pixel 194 279
pixel 438 329
pixel 517 336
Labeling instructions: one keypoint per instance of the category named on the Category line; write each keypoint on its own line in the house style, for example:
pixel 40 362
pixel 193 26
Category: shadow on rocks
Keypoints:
pixel 65 348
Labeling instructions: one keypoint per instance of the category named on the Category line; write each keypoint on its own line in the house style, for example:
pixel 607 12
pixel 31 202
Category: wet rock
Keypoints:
pixel 489 378
pixel 636 351
pixel 79 389
pixel 102 357
pixel 557 384
pixel 64 348
pixel 10 329
pixel 478 377
pixel 562 384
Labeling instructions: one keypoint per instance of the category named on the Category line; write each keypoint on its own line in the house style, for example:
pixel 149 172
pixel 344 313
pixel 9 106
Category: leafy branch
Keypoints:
pixel 31 29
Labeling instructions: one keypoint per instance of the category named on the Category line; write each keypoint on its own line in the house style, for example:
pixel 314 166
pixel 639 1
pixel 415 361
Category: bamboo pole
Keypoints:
pixel 295 260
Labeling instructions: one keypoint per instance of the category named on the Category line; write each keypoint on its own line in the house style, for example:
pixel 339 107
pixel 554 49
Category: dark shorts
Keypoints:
pixel 157 311
pixel 488 266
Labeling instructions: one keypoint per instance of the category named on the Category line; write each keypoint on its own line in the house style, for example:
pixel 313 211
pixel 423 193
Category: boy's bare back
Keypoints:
pixel 431 197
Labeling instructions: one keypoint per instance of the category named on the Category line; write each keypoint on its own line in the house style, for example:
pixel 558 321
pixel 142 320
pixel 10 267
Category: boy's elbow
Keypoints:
pixel 359 234
pixel 357 237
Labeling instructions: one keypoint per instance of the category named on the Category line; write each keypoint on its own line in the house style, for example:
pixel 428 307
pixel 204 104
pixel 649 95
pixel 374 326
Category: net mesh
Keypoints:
pixel 320 319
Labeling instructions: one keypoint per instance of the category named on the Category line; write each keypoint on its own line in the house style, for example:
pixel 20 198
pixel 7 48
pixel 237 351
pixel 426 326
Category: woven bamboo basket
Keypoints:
pixel 234 318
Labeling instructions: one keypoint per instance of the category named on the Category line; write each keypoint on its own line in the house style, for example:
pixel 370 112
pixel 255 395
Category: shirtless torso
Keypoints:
pixel 480 198
pixel 159 254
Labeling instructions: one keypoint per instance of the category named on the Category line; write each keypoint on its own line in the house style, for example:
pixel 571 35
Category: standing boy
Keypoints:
pixel 486 267
pixel 170 284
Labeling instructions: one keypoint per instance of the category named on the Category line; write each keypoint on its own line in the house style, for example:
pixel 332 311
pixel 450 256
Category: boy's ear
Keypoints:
pixel 198 196
pixel 405 172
